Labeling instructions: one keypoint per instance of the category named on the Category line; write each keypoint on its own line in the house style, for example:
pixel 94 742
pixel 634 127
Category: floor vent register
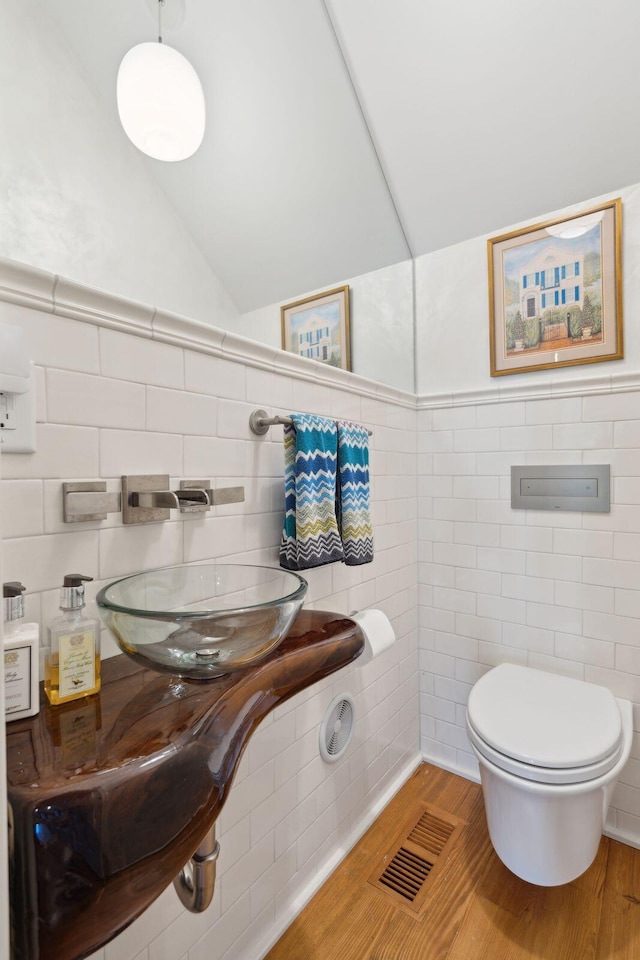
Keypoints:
pixel 415 856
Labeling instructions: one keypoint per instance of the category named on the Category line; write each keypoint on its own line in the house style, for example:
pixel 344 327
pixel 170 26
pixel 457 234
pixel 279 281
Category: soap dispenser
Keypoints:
pixel 21 656
pixel 72 662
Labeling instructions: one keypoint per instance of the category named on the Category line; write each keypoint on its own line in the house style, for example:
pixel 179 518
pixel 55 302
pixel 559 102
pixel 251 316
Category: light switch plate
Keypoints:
pixel 18 420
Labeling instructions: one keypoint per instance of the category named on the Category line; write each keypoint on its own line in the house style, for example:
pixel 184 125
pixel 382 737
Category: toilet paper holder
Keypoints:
pixel 378 632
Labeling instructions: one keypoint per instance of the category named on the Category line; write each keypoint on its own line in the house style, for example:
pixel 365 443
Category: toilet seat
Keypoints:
pixel 544 728
pixel 543 774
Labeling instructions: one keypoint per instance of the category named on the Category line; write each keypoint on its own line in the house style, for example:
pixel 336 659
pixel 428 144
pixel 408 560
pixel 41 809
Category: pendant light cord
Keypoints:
pixel 160 6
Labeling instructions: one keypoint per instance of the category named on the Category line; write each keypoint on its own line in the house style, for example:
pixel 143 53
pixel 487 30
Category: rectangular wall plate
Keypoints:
pixel 584 488
pixel 145 483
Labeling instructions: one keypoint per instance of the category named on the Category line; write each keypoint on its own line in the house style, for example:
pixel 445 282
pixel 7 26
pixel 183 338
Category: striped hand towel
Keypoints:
pixel 310 537
pixel 353 493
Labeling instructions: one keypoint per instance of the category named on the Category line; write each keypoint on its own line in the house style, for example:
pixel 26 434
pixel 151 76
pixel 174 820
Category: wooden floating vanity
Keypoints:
pixel 110 796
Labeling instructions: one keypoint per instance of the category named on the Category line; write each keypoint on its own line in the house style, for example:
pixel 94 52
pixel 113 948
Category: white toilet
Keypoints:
pixel 550 750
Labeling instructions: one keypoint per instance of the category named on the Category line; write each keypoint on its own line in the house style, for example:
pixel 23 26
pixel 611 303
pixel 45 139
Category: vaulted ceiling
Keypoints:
pixel 348 135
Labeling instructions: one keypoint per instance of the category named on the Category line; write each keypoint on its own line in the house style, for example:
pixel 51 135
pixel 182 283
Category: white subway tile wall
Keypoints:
pixel 557 591
pixel 112 403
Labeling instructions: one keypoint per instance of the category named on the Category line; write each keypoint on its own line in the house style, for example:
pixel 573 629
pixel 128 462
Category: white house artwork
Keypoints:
pixel 555 293
pixel 559 300
pixel 311 337
pixel 552 279
pixel 317 327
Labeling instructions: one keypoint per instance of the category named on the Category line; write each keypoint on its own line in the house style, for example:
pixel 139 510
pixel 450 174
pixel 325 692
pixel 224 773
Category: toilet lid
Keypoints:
pixel 545 720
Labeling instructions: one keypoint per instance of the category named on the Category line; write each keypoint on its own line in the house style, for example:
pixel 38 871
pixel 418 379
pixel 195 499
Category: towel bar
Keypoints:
pixel 260 421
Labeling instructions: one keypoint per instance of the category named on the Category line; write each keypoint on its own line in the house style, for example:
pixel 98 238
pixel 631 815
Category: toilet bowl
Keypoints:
pixel 550 750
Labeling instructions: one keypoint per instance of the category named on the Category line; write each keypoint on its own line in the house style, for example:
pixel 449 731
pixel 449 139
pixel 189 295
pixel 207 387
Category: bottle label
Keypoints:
pixel 77 663
pixel 17 679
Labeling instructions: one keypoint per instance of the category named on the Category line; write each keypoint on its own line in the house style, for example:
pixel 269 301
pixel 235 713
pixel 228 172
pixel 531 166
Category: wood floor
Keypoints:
pixel 475 909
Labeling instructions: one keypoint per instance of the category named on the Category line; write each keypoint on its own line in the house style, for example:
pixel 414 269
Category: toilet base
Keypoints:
pixel 544 836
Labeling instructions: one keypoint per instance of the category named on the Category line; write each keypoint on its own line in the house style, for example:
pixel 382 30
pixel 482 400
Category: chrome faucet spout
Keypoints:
pixel 193 497
pixel 154 499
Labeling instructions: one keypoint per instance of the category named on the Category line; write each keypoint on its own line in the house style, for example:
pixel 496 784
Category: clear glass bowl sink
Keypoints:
pixel 202 621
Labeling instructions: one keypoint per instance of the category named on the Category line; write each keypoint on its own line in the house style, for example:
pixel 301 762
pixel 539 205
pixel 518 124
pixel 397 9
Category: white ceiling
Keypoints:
pixel 488 113
pixel 482 114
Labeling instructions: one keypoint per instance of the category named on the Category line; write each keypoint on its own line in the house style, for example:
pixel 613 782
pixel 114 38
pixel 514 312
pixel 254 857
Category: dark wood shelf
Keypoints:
pixel 111 795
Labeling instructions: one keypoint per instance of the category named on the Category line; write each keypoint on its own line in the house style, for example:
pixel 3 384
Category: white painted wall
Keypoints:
pixel 556 591
pixel 75 197
pixel 111 402
pixel 381 324
pixel 452 319
pixel 4 861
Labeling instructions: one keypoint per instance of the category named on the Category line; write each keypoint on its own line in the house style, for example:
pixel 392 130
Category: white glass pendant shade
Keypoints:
pixel 160 102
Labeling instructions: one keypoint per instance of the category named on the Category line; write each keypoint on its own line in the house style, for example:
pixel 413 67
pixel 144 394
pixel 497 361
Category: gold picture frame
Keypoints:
pixel 317 327
pixel 555 292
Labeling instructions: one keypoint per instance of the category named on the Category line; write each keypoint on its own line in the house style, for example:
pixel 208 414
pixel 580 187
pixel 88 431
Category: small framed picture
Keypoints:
pixel 555 292
pixel 318 327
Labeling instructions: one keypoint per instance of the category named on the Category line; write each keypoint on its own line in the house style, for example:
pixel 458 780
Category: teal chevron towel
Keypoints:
pixel 353 493
pixel 310 536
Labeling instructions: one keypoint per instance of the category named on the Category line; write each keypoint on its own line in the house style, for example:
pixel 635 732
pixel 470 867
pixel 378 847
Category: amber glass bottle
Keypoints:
pixel 72 662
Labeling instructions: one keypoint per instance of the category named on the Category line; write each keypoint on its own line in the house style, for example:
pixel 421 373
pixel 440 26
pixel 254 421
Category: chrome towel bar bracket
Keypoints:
pixel 260 421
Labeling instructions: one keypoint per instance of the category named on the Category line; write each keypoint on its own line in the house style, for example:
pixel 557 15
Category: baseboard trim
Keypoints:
pixel 266 942
pixel 614 833
pixel 294 908
pixel 450 767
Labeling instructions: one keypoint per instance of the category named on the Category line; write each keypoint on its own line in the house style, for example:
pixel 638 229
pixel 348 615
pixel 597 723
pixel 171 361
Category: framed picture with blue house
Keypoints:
pixel 317 327
pixel 555 292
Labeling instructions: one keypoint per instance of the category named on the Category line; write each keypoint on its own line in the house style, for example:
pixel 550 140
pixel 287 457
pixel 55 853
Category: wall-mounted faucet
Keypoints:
pixel 182 499
pixel 148 499
pixel 144 499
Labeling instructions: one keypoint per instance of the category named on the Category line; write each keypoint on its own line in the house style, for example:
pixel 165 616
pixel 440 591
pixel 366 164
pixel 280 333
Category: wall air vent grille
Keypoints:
pixel 337 728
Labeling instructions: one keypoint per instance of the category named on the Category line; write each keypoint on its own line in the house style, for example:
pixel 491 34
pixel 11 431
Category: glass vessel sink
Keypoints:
pixel 202 621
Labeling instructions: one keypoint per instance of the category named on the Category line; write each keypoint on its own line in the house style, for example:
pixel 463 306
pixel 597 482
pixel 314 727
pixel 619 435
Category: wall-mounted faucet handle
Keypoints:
pixel 215 498
pixel 222 495
pixel 88 500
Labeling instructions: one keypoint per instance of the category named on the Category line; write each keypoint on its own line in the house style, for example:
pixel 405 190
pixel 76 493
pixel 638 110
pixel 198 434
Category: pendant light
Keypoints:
pixel 569 229
pixel 160 100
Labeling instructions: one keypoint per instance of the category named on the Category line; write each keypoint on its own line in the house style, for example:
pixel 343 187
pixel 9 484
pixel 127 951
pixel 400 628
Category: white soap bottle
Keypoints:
pixel 21 656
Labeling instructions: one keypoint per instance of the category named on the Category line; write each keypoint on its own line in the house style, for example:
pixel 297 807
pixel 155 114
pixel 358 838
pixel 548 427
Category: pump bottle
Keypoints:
pixel 21 656
pixel 72 662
